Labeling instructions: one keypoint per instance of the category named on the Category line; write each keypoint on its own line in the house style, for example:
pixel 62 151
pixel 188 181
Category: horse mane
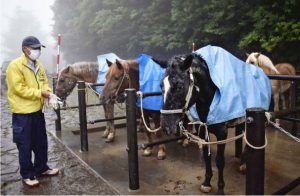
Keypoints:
pixel 263 60
pixel 84 67
pixel 87 71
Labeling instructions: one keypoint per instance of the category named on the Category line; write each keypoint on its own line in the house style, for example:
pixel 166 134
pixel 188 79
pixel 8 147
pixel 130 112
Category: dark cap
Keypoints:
pixel 32 42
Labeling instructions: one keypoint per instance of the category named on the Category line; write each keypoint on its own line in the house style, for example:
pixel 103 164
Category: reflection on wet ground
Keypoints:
pixel 181 172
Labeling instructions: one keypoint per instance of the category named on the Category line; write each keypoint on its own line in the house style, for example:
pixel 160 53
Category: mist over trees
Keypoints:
pixel 21 25
pixel 162 28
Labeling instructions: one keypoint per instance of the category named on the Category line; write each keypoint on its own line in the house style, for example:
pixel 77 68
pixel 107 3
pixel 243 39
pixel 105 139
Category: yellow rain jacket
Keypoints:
pixel 24 87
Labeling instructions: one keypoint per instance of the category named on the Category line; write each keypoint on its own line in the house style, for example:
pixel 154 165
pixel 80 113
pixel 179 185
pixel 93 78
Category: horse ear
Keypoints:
pixel 108 62
pixel 187 62
pixel 257 55
pixel 119 65
pixel 162 63
pixel 67 69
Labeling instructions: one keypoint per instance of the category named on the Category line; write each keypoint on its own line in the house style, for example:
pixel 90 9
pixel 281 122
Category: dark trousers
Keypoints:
pixel 29 134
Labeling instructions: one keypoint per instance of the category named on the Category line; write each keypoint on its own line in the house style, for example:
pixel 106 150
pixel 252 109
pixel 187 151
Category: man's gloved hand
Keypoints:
pixel 54 101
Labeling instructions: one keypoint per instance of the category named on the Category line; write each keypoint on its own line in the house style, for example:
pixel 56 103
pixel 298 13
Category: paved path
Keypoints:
pixel 75 177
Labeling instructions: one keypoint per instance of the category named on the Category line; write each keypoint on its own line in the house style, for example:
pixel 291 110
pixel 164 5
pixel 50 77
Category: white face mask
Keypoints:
pixel 34 54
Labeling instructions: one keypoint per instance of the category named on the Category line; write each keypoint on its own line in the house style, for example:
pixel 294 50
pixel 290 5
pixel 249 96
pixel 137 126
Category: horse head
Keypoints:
pixel 65 83
pixel 175 86
pixel 117 79
pixel 262 61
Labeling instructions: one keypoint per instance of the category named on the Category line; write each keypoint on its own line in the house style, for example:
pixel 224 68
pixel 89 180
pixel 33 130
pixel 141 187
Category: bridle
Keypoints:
pixel 125 76
pixel 187 99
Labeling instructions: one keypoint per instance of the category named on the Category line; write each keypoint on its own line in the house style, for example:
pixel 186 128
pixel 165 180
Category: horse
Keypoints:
pixel 125 74
pixel 187 81
pixel 88 72
pixel 279 87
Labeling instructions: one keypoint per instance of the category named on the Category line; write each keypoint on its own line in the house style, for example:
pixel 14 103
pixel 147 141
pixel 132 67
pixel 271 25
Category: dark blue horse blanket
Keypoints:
pixel 239 85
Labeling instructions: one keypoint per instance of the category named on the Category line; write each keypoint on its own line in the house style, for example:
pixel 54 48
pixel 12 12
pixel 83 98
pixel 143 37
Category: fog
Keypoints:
pixel 21 18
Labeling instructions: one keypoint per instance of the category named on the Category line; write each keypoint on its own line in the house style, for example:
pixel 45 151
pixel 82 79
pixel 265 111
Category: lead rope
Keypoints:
pixel 268 117
pixel 140 94
pixel 201 142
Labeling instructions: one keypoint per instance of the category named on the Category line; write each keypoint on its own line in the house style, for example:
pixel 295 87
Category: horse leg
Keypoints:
pixel 206 186
pixel 220 160
pixel 106 131
pixel 282 96
pixel 161 154
pixel 276 105
pixel 276 101
pixel 110 131
pixel 148 150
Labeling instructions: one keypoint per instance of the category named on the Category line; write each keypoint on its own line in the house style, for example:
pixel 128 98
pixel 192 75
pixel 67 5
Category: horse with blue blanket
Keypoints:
pixel 141 74
pixel 221 86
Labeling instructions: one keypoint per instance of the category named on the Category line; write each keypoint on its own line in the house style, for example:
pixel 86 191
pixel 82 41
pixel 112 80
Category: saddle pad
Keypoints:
pixel 150 74
pixel 103 67
pixel 239 85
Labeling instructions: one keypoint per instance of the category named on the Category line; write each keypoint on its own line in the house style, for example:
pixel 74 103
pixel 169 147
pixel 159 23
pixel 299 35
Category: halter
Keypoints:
pixel 125 75
pixel 187 99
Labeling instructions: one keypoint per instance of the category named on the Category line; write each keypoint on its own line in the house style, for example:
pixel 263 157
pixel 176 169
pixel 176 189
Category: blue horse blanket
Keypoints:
pixel 103 67
pixel 150 74
pixel 239 85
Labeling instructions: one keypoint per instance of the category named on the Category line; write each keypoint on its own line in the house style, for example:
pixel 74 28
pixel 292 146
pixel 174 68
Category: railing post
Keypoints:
pixel 58 120
pixel 293 92
pixel 132 147
pixel 255 158
pixel 82 116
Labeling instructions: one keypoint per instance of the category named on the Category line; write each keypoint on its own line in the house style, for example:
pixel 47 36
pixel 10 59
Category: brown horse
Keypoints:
pixel 125 74
pixel 279 87
pixel 88 72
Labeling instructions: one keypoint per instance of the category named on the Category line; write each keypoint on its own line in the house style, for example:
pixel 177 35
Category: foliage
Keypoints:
pixel 166 27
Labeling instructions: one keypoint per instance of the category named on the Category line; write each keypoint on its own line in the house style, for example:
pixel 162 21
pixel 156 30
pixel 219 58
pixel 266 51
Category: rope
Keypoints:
pixel 89 85
pixel 269 116
pixel 255 147
pixel 202 142
pixel 140 94
pixel 119 105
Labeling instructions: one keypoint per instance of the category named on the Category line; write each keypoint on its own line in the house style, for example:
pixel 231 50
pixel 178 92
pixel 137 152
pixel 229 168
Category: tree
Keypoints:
pixel 166 27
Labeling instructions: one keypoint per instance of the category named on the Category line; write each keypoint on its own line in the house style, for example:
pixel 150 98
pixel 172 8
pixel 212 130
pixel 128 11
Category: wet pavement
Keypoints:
pixel 75 178
pixel 104 168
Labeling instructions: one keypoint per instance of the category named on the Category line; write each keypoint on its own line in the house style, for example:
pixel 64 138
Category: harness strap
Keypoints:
pixel 187 98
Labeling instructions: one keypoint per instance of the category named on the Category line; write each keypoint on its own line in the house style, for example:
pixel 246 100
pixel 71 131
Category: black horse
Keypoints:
pixel 189 74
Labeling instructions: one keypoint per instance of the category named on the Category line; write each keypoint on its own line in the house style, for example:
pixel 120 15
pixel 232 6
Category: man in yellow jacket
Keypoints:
pixel 27 88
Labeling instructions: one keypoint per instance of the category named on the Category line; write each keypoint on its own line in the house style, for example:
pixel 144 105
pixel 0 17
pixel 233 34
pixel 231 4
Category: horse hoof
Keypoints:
pixel 105 133
pixel 220 192
pixel 277 122
pixel 179 141
pixel 110 138
pixel 185 143
pixel 141 130
pixel 161 155
pixel 243 168
pixel 147 152
pixel 205 189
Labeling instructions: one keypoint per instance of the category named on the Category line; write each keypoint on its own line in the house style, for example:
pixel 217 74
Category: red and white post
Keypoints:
pixel 58 52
